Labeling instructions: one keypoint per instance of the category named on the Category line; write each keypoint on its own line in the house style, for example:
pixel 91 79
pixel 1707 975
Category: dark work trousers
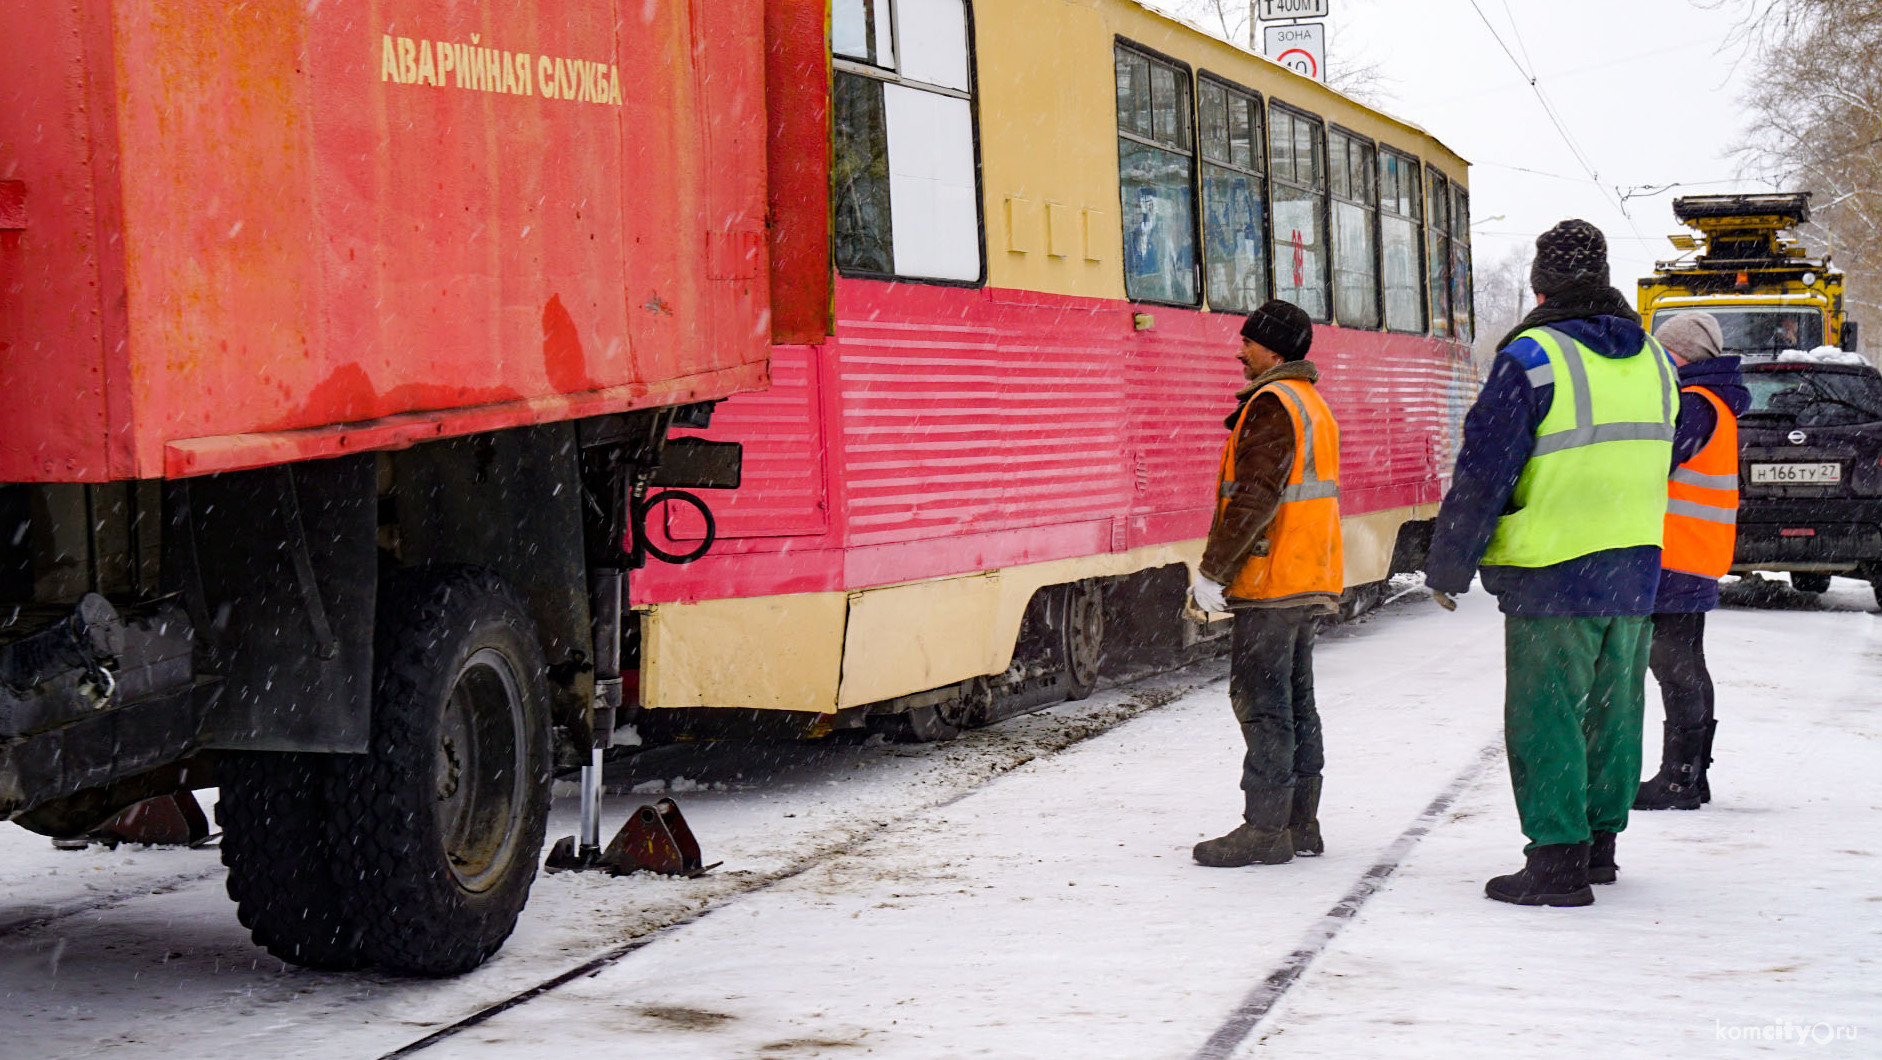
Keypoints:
pixel 1678 662
pixel 1271 689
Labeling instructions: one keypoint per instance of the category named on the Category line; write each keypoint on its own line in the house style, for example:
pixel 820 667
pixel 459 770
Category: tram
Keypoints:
pixel 985 474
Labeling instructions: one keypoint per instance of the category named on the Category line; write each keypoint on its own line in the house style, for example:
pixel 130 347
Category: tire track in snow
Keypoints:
pixel 1261 1000
pixel 99 903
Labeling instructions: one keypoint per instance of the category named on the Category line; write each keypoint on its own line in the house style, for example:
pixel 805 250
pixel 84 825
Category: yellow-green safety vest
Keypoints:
pixel 1597 477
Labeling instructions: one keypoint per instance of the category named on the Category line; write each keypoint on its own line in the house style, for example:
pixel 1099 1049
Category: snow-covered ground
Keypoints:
pixel 1028 892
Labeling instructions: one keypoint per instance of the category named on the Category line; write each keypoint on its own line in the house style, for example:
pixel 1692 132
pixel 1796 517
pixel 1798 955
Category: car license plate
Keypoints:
pixel 1797 474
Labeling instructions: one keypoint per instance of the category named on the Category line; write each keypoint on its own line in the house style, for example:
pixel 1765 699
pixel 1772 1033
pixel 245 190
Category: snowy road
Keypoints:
pixel 1027 892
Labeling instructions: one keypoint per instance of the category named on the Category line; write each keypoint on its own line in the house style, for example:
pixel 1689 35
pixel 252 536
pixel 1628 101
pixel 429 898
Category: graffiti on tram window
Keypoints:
pixel 859 177
pixel 1462 324
pixel 1352 173
pixel 1159 226
pixel 1404 300
pixel 1233 241
pixel 1438 250
pixel 1297 166
pixel 1234 232
pixel 1401 201
pixel 1355 283
pixel 1300 263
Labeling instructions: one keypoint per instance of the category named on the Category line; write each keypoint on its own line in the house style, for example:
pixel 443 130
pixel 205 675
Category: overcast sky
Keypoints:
pixel 1649 90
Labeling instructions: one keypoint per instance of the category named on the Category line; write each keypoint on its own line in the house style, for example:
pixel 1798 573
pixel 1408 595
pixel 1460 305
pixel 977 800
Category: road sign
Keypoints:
pixel 1301 47
pixel 1270 10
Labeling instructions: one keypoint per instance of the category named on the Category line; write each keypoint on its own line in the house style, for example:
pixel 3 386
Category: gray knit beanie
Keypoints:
pixel 1572 254
pixel 1694 336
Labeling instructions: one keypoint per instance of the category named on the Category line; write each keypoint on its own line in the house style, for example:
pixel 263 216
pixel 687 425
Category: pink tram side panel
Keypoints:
pixel 946 430
pixel 272 231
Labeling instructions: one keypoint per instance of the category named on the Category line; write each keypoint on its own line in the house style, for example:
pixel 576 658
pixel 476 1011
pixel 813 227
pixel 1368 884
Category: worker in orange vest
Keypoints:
pixel 1274 561
pixel 1701 530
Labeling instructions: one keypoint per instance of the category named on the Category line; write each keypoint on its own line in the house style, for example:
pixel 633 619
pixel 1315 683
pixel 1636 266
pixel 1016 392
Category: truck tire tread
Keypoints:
pixel 418 920
pixel 276 814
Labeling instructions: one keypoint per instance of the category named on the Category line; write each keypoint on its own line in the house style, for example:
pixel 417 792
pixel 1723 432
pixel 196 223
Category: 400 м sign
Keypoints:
pixel 1269 10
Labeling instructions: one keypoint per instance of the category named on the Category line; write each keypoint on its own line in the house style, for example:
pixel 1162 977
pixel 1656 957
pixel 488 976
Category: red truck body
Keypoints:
pixel 235 236
pixel 335 334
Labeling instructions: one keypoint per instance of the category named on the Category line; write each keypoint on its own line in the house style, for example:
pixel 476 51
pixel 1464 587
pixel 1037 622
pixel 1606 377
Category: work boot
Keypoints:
pixel 1705 762
pixel 1556 874
pixel 1676 785
pixel 1601 866
pixel 1261 838
pixel 1304 822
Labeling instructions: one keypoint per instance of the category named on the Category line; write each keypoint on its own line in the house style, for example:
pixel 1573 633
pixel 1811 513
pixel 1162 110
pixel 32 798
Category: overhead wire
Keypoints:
pixel 1549 111
pixel 1648 191
pixel 1516 31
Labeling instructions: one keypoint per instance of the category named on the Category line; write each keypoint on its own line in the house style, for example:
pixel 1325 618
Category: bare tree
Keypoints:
pixel 1816 104
pixel 1363 79
pixel 1501 299
pixel 1358 75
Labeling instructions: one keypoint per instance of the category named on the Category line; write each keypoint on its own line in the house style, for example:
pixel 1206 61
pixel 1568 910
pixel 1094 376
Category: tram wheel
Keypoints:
pixel 968 708
pixel 1084 637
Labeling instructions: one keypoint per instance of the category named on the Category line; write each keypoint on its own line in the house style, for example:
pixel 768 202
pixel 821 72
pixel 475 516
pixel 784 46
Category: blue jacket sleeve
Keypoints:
pixel 1499 435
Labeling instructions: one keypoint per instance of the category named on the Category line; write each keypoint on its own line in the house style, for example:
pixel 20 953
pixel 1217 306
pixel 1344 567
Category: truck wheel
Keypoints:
pixel 1810 581
pixel 276 813
pixel 448 810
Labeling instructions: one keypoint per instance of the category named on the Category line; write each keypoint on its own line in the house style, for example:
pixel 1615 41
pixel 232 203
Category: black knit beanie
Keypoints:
pixel 1572 254
pixel 1282 327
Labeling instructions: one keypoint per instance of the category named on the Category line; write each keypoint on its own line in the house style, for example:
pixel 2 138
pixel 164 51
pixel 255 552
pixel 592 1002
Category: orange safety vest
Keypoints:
pixel 1303 553
pixel 1702 501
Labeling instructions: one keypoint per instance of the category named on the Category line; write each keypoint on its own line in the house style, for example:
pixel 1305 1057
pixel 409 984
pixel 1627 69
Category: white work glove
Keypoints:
pixel 1208 595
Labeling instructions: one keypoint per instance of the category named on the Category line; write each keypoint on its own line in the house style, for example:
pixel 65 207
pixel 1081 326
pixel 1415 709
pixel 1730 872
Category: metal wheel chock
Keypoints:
pixel 655 839
pixel 175 820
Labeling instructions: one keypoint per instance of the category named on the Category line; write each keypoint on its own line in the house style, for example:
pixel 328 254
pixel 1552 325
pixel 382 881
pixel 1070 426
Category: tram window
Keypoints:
pixel 941 32
pixel 1400 207
pixel 1461 307
pixel 1352 169
pixel 1438 249
pixel 1297 171
pixel 1156 168
pixel 859 176
pixel 863 30
pixel 903 178
pixel 1234 244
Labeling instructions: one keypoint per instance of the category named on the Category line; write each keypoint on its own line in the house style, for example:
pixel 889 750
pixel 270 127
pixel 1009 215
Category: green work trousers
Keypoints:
pixel 1575 690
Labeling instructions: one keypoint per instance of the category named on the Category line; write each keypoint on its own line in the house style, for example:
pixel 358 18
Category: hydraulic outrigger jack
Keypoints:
pixel 656 837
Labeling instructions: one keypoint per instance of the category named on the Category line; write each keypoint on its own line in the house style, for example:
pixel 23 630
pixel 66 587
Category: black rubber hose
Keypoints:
pixel 643 510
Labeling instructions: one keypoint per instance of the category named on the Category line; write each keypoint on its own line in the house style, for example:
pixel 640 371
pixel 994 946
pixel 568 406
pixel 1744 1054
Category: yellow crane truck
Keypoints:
pixel 1743 267
pixel 1810 445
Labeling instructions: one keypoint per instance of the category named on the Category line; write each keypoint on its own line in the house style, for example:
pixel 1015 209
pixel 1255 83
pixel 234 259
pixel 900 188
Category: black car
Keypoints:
pixel 1810 473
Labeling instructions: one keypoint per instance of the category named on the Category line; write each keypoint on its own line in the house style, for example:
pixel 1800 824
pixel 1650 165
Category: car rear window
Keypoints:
pixel 1816 398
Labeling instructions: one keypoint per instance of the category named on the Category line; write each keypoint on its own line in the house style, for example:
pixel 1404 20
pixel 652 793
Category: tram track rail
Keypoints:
pixel 1226 1039
pixel 944 774
pixel 1151 692
pixel 1262 999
